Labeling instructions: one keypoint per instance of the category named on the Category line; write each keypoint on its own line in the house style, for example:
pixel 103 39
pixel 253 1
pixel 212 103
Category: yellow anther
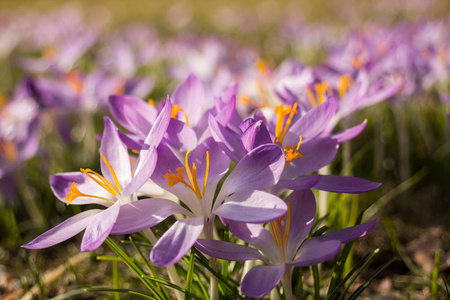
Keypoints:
pixel 9 151
pixel 357 62
pixel 280 236
pixel 442 55
pixel 321 90
pixel 119 89
pixel 345 83
pixel 73 78
pixel 151 102
pixel 292 153
pixel 49 53
pixel 98 179
pixel 245 100
pixel 172 179
pixel 75 193
pixel 281 128
pixel 175 110
pixel 116 181
pixel 262 67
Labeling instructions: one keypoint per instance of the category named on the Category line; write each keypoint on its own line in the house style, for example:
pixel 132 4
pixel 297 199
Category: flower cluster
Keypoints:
pixel 185 148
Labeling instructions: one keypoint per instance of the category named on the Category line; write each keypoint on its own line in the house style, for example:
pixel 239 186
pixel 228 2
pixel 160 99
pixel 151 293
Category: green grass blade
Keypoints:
pixel 204 263
pixel 316 276
pixel 165 294
pixel 435 276
pixel 116 281
pixel 364 266
pixel 71 294
pixel 340 264
pixel 358 265
pixel 189 276
pixel 135 268
pixel 366 282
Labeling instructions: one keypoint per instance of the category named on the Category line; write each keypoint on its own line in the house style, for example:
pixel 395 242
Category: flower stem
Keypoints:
pixel 213 283
pixel 286 281
pixel 173 275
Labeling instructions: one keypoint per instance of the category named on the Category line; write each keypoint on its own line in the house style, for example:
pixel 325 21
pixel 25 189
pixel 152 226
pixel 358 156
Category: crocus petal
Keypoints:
pixel 99 228
pixel 117 155
pixel 145 213
pixel 148 155
pixel 63 231
pixel 252 207
pixel 227 140
pixel 383 94
pixel 176 241
pixel 302 183
pixel 312 123
pixel 62 182
pixel 316 154
pixel 351 233
pixel 228 251
pixel 315 251
pixel 345 184
pixel 226 111
pixel 258 236
pixel 260 169
pixel 180 136
pixel 260 280
pixel 303 211
pixel 350 133
pixel 255 135
pixel 131 143
pixel 132 113
pixel 189 96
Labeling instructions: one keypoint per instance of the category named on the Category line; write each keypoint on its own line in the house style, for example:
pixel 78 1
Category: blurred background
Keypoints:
pixel 60 61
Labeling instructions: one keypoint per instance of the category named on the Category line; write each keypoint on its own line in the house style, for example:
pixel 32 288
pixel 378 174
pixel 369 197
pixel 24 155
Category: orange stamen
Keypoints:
pixel 75 193
pixel 73 78
pixel 345 83
pixel 175 110
pixel 281 128
pixel 8 149
pixel 173 179
pixel 292 153
pixel 280 236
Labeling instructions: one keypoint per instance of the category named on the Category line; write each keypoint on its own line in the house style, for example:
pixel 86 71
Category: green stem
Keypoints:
pixel 173 274
pixel 214 283
pixel 286 281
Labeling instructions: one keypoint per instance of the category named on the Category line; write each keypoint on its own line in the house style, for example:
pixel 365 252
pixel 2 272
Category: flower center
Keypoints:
pixel 345 83
pixel 321 89
pixel 281 236
pixel 281 129
pixel 175 110
pixel 172 179
pixel 357 62
pixel 8 150
pixel 113 189
pixel 291 152
pixel 73 78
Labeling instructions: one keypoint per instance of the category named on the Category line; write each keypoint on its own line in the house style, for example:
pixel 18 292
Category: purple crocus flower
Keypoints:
pixel 19 137
pixel 194 182
pixel 283 247
pixel 306 151
pixel 187 126
pixel 114 189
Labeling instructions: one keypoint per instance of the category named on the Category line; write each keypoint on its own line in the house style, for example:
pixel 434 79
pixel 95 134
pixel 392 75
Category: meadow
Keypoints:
pixel 224 150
